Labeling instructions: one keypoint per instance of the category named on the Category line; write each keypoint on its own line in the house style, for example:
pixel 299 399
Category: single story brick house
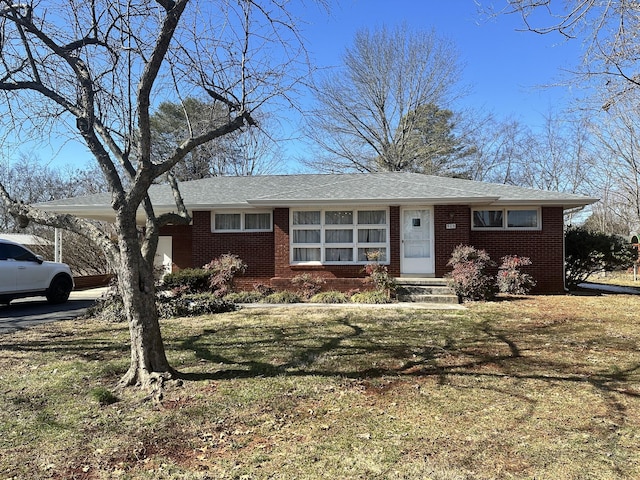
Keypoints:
pixel 326 224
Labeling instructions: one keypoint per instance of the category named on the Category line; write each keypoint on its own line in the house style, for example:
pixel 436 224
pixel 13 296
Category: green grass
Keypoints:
pixel 539 387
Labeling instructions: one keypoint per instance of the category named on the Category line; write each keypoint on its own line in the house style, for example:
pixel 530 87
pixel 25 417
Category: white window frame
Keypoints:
pixel 354 226
pixel 505 218
pixel 242 214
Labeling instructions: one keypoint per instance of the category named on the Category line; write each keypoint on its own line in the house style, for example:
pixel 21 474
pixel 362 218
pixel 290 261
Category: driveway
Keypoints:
pixel 604 288
pixel 28 312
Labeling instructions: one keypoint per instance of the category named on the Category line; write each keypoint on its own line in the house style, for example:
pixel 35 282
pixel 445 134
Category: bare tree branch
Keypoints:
pixel 102 67
pixel 362 120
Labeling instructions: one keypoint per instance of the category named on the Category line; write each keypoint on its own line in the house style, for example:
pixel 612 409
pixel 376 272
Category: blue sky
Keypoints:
pixel 504 68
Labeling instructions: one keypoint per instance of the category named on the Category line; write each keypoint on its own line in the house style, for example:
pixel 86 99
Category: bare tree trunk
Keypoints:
pixel 107 69
pixel 149 366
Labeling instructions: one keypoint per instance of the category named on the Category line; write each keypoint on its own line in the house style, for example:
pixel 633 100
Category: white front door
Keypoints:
pixel 416 249
pixel 164 254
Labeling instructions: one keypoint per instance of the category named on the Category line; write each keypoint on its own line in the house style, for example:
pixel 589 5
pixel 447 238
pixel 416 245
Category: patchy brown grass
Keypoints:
pixel 624 279
pixel 538 387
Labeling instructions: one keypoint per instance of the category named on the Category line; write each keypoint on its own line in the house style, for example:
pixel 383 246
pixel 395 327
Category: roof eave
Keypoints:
pixel 373 201
pixel 106 213
pixel 566 203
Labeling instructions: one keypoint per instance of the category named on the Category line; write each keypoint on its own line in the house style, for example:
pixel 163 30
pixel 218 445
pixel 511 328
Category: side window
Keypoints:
pixel 227 221
pixel 19 254
pixel 257 221
pixel 487 219
pixel 507 219
pixel 522 218
pixel 241 221
pixel 3 251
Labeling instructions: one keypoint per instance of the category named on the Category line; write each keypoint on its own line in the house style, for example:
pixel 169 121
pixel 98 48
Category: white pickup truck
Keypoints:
pixel 25 274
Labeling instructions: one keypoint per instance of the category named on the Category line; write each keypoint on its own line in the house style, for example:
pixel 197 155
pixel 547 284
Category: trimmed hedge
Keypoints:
pixel 189 280
pixel 282 297
pixel 243 297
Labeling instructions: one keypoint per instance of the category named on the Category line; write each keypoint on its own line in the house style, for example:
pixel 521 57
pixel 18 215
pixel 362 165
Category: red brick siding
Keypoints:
pixel 448 239
pixel 281 239
pixel 394 241
pixel 545 248
pixel 254 248
pixel 267 253
pixel 180 244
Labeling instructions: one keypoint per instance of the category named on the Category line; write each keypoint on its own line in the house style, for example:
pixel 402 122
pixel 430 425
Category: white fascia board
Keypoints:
pixel 210 206
pixel 83 211
pixel 564 203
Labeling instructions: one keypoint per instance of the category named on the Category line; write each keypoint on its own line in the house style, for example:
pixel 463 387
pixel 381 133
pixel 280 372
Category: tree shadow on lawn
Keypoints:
pixel 488 352
pixel 493 357
pixel 360 349
pixel 65 342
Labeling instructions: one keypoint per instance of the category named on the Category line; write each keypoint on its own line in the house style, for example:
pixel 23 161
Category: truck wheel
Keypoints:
pixel 59 289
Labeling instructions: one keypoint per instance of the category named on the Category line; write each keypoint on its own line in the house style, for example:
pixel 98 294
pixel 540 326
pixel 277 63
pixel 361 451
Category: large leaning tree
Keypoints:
pixel 98 68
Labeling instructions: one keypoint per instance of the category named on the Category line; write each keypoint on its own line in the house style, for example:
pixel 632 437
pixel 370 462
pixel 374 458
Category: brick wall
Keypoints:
pixel 281 240
pixel 448 239
pixel 545 248
pixel 254 248
pixel 267 253
pixel 181 244
pixel 394 241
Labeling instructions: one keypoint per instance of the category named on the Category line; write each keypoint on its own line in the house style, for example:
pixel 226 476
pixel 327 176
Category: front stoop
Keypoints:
pixel 425 290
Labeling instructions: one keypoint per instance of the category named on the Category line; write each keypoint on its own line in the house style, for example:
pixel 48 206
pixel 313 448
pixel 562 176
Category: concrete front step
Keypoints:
pixel 425 290
pixel 421 281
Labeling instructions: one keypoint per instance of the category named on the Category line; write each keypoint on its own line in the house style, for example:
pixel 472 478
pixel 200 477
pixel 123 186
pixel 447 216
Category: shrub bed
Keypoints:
pixel 244 297
pixel 193 305
pixel 282 297
pixel 188 280
pixel 374 296
pixel 329 297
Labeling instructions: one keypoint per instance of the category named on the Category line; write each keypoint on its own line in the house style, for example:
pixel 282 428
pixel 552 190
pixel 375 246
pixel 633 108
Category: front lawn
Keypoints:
pixel 538 387
pixel 623 279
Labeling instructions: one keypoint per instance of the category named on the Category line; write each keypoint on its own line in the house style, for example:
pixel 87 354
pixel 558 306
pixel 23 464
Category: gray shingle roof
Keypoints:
pixel 298 190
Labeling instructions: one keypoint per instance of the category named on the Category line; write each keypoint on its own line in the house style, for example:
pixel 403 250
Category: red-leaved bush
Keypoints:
pixel 379 274
pixel 510 279
pixel 471 280
pixel 469 277
pixel 308 285
pixel 223 270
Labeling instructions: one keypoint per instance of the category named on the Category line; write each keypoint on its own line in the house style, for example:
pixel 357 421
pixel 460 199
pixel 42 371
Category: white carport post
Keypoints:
pixel 57 245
